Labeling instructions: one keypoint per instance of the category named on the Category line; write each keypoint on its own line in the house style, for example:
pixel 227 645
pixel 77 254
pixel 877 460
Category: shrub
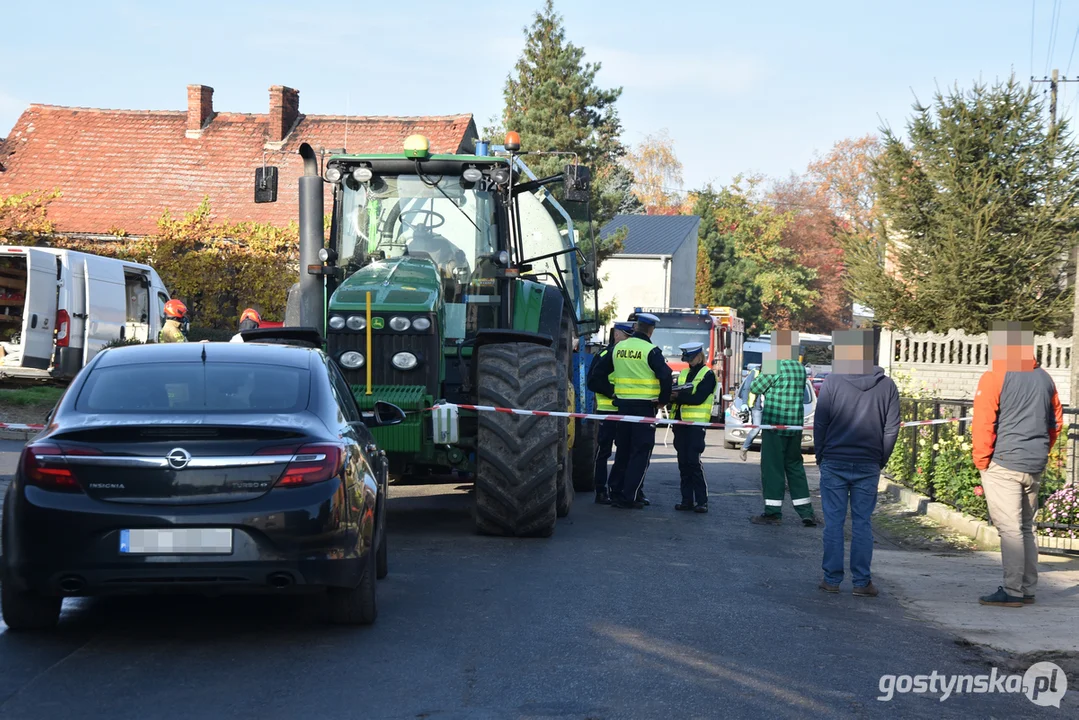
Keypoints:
pixel 1062 508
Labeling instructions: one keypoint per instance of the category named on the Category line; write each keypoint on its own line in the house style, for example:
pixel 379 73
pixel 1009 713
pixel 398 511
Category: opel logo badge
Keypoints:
pixel 178 458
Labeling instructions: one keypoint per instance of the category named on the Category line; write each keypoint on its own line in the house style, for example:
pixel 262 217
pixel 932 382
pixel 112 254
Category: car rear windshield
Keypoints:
pixel 195 388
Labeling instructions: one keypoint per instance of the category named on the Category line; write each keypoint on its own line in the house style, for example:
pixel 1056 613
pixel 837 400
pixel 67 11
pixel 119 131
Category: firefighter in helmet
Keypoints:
pixel 249 320
pixel 174 329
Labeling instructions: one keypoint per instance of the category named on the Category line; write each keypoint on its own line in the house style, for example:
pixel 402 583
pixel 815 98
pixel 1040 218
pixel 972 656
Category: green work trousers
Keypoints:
pixel 781 467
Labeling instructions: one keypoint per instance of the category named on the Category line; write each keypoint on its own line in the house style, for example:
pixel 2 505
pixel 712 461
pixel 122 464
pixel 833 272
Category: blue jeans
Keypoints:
pixel 842 483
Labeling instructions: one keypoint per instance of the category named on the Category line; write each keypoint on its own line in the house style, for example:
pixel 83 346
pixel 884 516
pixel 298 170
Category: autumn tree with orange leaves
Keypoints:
pixel 657 174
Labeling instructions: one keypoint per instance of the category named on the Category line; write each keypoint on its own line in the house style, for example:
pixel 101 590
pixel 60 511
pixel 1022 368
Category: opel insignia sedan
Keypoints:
pixel 199 468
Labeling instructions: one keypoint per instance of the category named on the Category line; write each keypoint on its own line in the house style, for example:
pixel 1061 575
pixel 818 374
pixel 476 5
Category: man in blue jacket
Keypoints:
pixel 855 428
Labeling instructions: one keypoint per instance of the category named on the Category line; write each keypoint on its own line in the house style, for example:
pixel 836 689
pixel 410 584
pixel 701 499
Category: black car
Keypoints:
pixel 199 467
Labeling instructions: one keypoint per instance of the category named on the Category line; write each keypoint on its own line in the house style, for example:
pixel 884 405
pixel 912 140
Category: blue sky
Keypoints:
pixel 740 86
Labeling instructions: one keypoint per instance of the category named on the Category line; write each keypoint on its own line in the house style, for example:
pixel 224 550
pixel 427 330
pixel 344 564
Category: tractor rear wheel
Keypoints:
pixel 517 469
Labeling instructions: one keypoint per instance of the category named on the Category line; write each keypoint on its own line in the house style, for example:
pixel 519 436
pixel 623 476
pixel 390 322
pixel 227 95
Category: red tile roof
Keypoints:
pixel 120 169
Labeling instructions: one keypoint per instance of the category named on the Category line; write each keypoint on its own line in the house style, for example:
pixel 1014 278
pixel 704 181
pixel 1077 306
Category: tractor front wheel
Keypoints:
pixel 517 455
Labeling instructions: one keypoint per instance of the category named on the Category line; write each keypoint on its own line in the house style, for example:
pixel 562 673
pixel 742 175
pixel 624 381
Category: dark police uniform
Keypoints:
pixel 694 405
pixel 642 381
pixel 599 382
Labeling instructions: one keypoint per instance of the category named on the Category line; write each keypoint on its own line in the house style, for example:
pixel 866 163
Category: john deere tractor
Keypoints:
pixel 456 279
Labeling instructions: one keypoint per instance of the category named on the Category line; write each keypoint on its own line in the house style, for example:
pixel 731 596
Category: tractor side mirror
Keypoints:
pixel 384 414
pixel 588 274
pixel 577 183
pixel 266 184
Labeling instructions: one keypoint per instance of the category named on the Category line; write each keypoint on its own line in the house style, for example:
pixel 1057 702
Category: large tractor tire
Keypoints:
pixel 516 486
pixel 585 437
pixel 564 356
pixel 565 454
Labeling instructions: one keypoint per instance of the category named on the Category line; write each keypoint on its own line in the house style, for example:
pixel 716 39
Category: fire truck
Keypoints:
pixel 721 332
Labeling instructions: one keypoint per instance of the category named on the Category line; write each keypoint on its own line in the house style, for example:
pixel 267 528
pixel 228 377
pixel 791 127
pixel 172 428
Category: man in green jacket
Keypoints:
pixel 782 382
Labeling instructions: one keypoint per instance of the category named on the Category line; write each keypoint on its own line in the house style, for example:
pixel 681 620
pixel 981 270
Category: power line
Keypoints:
pixel 1033 9
pixel 1054 24
pixel 1072 53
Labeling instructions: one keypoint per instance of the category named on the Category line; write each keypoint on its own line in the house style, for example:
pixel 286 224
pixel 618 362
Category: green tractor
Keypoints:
pixel 454 280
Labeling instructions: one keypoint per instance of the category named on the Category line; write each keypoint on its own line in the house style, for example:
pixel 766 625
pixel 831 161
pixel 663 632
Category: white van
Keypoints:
pixel 59 308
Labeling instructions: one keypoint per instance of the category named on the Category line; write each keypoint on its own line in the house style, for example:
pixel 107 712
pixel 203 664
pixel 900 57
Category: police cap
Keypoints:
pixel 647 319
pixel 690 349
pixel 626 327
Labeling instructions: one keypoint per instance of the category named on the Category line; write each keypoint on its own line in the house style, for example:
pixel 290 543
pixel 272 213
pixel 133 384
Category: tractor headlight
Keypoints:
pixel 336 322
pixel 362 174
pixel 333 174
pixel 472 174
pixel 400 323
pixel 356 322
pixel 421 323
pixel 404 361
pixel 351 360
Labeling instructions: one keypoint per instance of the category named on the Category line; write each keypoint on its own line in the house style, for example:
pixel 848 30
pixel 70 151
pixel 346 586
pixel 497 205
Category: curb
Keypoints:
pixel 984 535
pixel 9 434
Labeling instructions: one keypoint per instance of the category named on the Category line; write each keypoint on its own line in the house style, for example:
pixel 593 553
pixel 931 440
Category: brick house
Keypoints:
pixel 121 169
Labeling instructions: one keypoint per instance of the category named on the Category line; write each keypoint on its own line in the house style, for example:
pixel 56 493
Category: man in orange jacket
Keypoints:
pixel 1017 418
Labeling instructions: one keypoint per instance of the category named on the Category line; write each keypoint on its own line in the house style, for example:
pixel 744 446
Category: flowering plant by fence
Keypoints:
pixel 937 461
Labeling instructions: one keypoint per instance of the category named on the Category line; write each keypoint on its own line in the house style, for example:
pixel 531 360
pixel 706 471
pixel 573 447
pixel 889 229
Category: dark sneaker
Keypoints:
pixel 766 519
pixel 1028 599
pixel 642 499
pixel 603 497
pixel 828 587
pixel 623 505
pixel 702 508
pixel 1001 599
pixel 809 522
pixel 683 507
pixel 869 590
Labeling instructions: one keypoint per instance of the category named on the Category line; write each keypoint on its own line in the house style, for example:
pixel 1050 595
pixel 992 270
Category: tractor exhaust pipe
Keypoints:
pixel 312 206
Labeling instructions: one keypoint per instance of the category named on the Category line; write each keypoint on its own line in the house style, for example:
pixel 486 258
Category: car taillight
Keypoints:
pixel 312 463
pixel 63 328
pixel 38 471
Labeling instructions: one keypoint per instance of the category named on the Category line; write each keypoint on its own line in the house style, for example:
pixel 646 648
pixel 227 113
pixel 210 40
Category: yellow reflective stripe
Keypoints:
pixel 604 403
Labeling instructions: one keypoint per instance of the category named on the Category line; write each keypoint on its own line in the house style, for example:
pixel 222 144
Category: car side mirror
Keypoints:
pixel 577 183
pixel 588 274
pixel 384 414
pixel 266 184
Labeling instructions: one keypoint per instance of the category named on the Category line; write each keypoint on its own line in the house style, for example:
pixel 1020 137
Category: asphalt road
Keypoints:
pixel 623 614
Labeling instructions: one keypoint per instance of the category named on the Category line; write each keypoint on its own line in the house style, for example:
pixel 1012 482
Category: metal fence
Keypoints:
pixel 920 445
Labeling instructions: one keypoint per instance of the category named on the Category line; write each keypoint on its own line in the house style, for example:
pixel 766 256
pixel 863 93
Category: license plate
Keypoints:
pixel 179 541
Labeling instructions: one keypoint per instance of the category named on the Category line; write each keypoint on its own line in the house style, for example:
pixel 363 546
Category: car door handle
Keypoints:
pixel 33 321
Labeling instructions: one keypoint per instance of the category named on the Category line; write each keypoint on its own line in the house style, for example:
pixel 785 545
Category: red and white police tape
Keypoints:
pixel 662 421
pixel 17 426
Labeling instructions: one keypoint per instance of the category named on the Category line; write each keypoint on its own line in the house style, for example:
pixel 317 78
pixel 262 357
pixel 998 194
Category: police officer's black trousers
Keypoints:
pixel 604 448
pixel 634 443
pixel 689 444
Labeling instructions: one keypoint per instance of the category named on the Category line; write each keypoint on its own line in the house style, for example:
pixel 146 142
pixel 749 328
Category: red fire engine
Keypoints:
pixel 719 329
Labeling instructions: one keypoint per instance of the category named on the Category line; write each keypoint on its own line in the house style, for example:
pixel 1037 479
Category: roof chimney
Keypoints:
pixel 200 108
pixel 284 110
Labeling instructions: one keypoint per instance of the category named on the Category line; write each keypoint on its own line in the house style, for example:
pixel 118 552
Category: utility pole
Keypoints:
pixel 1073 371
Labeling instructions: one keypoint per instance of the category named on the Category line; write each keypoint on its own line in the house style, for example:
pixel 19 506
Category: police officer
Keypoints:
pixel 175 315
pixel 599 382
pixel 642 383
pixel 693 404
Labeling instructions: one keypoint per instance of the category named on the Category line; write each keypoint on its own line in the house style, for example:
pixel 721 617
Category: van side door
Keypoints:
pixel 39 313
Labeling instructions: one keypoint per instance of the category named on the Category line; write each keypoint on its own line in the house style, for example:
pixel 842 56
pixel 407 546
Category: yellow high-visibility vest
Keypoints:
pixel 694 413
pixel 633 379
